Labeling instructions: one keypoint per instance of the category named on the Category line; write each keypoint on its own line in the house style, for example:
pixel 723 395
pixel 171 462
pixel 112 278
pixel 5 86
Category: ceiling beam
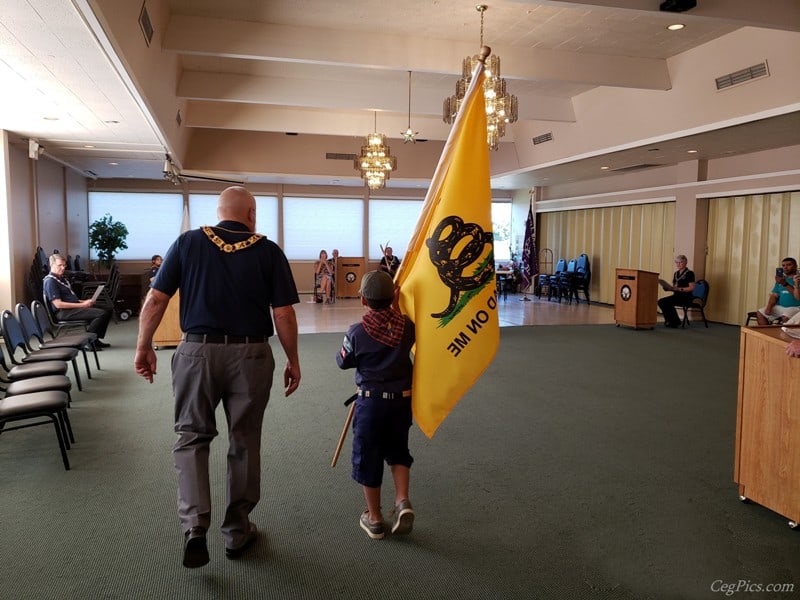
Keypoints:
pixel 267 42
pixel 345 96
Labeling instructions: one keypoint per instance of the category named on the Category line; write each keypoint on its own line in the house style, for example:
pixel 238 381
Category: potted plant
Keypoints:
pixel 107 237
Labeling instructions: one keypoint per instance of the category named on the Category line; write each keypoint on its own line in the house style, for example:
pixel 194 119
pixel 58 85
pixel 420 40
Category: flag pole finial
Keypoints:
pixel 484 54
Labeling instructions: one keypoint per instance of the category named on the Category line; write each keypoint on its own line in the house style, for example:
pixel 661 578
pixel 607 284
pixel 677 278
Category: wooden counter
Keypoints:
pixel 168 333
pixel 767 459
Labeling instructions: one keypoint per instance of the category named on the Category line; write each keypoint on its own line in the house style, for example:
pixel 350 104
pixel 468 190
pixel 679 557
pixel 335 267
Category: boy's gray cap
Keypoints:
pixel 377 285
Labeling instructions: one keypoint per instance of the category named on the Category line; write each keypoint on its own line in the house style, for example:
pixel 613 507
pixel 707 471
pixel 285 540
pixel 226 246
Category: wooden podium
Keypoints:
pixel 767 457
pixel 349 271
pixel 168 333
pixel 636 299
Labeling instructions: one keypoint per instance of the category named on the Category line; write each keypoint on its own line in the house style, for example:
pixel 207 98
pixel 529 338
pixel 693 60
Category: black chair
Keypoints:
pixel 31 370
pixel 65 331
pixel 15 340
pixel 57 327
pixel 318 295
pixel 33 385
pixel 39 408
pixel 583 276
pixel 41 262
pixel 773 320
pixel 552 280
pixel 34 339
pixel 80 341
pixel 566 282
pixel 542 284
pixel 698 303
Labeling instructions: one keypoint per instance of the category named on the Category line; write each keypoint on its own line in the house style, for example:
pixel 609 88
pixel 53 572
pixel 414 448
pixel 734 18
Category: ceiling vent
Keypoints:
pixel 634 168
pixel 146 25
pixel 541 139
pixel 340 156
pixel 742 76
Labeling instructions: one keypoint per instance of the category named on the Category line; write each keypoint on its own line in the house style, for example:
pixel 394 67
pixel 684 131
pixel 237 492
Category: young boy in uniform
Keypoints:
pixel 379 349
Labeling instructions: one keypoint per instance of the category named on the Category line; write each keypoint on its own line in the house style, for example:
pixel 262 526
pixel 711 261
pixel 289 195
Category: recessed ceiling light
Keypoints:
pixel 114 164
pixel 676 26
pixel 604 168
pixel 691 151
pixel 88 146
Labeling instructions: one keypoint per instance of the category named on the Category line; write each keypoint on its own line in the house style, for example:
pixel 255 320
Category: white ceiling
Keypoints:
pixel 301 66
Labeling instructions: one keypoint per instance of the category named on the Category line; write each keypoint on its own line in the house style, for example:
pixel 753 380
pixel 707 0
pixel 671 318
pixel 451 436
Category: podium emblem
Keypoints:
pixel 350 277
pixel 625 292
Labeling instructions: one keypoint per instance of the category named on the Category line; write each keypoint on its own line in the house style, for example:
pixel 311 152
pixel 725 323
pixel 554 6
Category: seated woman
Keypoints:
pixel 682 286
pixel 323 276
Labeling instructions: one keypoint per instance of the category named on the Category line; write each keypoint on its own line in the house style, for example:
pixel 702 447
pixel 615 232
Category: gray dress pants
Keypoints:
pixel 240 376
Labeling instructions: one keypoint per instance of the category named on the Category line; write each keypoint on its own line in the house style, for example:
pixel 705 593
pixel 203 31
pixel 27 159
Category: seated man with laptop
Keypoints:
pixel 65 305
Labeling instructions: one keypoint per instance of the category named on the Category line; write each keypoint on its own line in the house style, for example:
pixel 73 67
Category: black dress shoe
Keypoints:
pixel 252 534
pixel 101 344
pixel 195 550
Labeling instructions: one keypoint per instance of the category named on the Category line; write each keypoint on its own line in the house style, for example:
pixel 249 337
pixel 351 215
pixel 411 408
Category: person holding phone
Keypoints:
pixel 784 298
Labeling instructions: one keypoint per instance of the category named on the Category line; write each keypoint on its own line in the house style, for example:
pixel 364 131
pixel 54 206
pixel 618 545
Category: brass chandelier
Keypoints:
pixel 375 162
pixel 501 107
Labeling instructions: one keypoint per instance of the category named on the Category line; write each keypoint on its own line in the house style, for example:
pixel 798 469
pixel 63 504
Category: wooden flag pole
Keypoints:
pixel 347 422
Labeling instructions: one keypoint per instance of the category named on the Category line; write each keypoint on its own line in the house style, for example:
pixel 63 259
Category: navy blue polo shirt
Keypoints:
pixel 58 289
pixel 226 292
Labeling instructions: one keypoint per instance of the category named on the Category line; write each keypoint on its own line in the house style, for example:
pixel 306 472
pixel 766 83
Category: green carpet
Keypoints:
pixel 588 462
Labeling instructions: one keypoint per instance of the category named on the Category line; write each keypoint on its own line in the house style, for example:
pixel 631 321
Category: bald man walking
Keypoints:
pixel 232 283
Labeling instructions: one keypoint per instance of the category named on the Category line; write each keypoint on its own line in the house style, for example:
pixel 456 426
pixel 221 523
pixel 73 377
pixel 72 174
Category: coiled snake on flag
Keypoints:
pixel 449 267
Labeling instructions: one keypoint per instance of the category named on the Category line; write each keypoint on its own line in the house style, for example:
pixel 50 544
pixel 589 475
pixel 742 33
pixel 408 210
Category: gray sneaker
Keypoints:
pixel 403 517
pixel 374 530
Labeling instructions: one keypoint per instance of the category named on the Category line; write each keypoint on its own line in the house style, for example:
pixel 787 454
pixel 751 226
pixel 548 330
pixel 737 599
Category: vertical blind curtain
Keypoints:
pixel 627 237
pixel 747 238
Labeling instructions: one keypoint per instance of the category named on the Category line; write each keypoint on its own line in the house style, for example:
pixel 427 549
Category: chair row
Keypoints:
pixel 569 278
pixel 36 389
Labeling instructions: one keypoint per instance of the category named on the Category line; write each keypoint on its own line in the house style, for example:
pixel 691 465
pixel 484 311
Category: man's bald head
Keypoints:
pixel 237 204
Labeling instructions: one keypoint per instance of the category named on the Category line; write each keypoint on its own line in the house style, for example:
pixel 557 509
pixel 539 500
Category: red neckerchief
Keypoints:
pixel 384 325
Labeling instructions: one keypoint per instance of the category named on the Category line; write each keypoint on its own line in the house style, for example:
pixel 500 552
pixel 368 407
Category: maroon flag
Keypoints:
pixel 530 256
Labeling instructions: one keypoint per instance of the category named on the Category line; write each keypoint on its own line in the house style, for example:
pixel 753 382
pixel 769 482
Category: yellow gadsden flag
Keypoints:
pixel 447 279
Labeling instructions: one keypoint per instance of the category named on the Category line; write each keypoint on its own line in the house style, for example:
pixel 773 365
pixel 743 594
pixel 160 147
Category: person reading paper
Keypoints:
pixel 66 306
pixel 682 286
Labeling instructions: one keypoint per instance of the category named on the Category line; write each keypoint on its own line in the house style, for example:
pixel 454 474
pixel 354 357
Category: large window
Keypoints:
pixel 153 220
pixel 501 227
pixel 203 211
pixel 309 224
pixel 314 224
pixel 392 223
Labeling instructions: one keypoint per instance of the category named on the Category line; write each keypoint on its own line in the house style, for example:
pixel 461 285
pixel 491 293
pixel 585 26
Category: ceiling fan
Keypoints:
pixel 176 176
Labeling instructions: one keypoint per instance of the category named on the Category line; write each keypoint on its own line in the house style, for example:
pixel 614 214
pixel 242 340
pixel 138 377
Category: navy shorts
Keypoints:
pixel 380 433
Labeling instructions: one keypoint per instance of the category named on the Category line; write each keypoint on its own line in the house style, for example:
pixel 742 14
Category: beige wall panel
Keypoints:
pixel 52 218
pixel 747 238
pixel 77 199
pixel 21 222
pixel 633 237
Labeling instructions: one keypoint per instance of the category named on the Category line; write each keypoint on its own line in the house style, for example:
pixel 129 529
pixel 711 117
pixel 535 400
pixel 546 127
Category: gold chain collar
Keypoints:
pixel 226 247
